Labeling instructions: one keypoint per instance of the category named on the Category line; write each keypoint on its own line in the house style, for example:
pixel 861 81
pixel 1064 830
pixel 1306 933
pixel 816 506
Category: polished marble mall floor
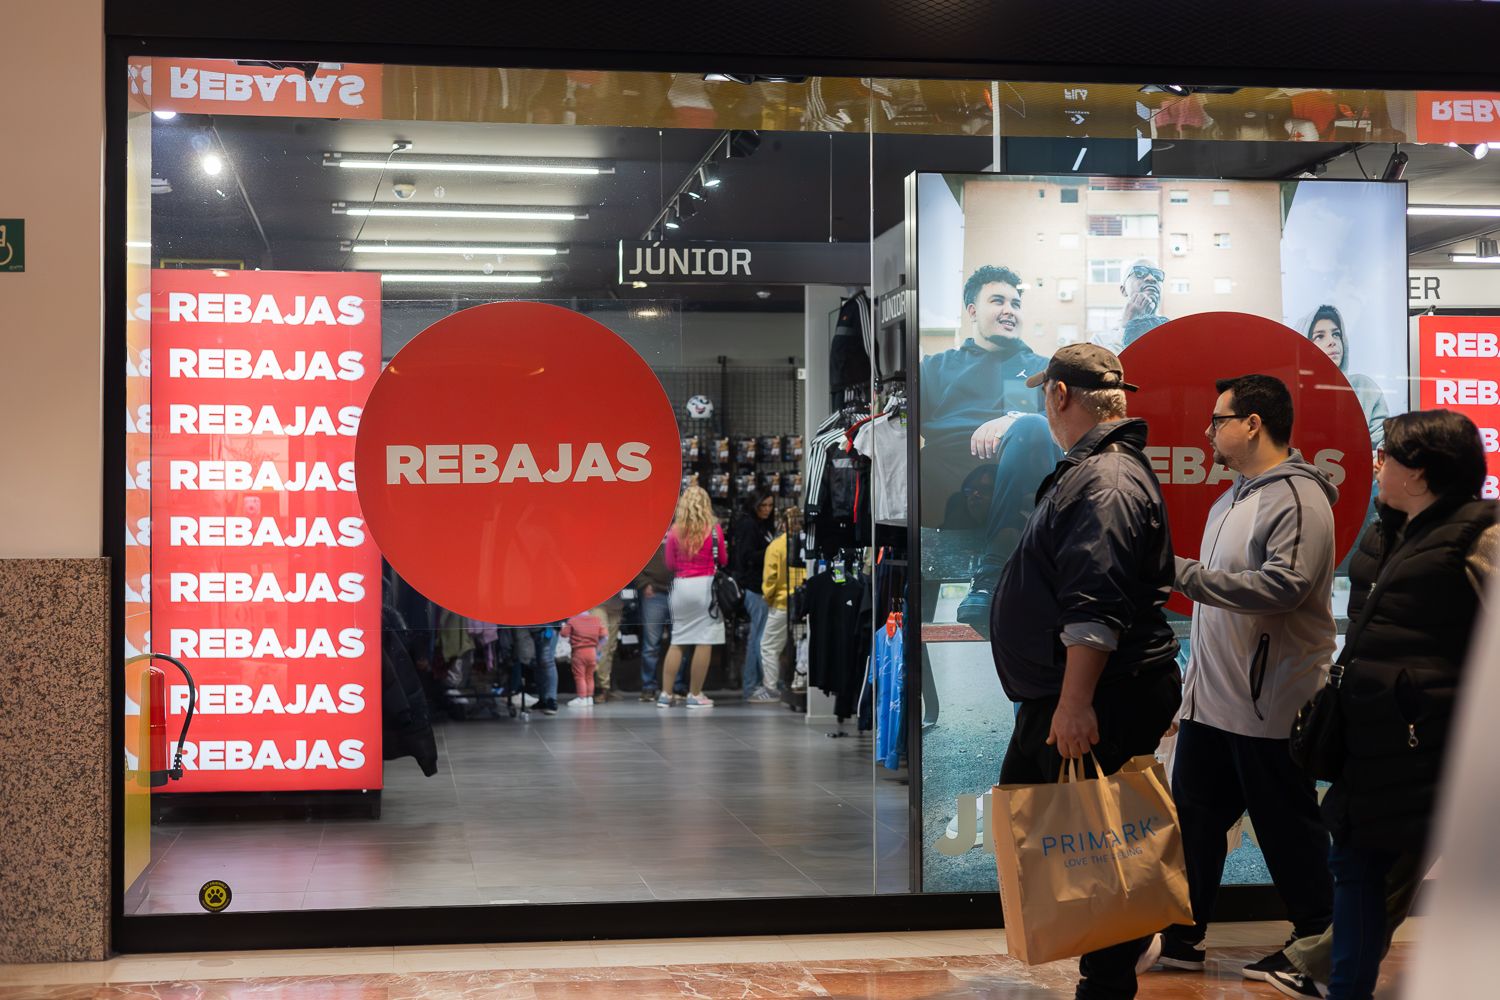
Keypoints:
pixel 951 965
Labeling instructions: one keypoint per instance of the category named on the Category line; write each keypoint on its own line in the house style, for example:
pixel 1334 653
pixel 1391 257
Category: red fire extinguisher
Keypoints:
pixel 155 695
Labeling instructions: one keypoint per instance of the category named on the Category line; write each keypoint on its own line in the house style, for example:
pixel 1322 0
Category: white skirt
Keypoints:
pixel 689 600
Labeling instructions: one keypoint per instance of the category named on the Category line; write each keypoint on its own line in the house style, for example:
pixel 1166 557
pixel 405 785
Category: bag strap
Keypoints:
pixel 1072 766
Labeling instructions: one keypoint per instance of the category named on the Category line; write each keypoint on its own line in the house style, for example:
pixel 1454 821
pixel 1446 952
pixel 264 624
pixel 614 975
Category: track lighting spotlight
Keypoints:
pixel 1395 167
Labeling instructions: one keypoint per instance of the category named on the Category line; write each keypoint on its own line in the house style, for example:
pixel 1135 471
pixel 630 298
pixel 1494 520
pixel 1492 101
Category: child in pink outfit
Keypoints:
pixel 585 633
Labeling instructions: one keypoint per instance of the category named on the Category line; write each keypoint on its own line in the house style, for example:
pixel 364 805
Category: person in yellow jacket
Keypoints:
pixel 779 578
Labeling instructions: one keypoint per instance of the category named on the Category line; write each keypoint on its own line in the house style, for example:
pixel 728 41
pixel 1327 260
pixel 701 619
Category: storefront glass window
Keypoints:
pixel 424 360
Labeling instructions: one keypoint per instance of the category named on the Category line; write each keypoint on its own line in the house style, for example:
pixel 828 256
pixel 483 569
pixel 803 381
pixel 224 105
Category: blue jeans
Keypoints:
pixel 655 616
pixel 757 609
pixel 1027 456
pixel 1359 921
pixel 545 666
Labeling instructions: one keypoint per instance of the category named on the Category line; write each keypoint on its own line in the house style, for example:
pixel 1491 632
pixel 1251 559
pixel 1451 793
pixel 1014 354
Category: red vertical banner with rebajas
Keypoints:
pixel 1458 368
pixel 264 580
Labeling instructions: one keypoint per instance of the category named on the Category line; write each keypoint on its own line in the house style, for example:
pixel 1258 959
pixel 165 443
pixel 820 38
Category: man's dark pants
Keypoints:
pixel 1216 777
pixel 1134 713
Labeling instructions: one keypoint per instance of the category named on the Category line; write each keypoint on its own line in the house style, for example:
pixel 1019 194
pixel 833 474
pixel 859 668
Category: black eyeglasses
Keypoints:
pixel 1142 271
pixel 1216 419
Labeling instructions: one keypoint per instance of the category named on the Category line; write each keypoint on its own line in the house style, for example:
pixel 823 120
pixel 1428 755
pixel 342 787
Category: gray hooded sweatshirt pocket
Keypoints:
pixel 1263 630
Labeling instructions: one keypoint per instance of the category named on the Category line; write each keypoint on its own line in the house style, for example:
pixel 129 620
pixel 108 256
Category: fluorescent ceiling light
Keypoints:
pixel 570 168
pixel 1469 258
pixel 421 278
pixel 455 248
pixel 467 212
pixel 1456 211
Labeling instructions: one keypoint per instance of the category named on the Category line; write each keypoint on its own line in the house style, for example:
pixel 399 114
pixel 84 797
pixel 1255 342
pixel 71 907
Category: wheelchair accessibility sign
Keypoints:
pixel 12 244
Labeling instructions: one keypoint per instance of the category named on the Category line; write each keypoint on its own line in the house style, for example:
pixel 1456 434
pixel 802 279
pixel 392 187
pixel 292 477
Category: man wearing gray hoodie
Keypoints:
pixel 1262 635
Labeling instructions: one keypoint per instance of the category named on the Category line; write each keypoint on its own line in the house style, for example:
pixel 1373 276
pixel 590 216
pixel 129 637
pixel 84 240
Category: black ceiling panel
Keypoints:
pixel 1386 43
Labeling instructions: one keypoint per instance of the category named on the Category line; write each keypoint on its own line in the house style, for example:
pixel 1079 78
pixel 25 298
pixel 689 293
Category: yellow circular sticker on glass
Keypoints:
pixel 214 896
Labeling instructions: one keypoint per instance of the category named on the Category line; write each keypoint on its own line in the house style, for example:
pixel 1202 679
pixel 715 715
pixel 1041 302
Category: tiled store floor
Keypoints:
pixel 623 801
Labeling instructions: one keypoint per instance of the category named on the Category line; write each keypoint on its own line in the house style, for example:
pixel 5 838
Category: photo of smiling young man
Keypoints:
pixel 985 446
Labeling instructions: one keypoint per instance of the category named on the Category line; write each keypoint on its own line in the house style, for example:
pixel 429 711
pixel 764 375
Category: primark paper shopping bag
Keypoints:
pixel 1088 862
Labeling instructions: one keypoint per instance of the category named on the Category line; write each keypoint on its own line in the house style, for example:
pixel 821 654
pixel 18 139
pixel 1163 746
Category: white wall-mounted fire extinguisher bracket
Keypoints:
pixel 154 694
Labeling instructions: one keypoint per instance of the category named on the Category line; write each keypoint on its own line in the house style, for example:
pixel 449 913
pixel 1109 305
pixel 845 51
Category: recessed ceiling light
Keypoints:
pixel 165 116
pixel 460 165
pixel 212 164
pixel 479 249
pixel 1456 211
pixel 423 278
pixel 465 212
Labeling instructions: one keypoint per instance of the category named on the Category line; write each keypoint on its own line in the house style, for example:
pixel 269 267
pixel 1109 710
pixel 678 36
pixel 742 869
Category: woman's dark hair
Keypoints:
pixel 1332 315
pixel 754 499
pixel 1444 446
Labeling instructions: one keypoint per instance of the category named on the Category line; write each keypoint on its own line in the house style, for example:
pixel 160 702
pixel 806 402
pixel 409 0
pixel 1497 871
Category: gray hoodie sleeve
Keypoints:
pixel 1297 538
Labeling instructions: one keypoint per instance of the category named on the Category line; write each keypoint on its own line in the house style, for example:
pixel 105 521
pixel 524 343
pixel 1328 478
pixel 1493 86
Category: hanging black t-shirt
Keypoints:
pixel 838 640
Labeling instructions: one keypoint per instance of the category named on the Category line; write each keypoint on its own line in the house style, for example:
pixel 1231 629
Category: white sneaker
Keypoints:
pixel 763 696
pixel 581 703
pixel 664 700
pixel 699 701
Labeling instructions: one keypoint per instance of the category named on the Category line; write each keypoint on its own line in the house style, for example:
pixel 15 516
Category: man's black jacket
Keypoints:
pixel 1096 549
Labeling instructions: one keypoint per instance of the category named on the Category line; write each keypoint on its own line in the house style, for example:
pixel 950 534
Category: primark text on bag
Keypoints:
pixel 1088 862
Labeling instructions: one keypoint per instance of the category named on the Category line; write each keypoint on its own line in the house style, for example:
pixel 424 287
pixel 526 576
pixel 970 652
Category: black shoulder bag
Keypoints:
pixel 728 596
pixel 1317 740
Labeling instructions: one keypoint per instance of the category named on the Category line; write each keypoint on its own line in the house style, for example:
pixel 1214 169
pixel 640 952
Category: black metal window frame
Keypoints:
pixel 918 39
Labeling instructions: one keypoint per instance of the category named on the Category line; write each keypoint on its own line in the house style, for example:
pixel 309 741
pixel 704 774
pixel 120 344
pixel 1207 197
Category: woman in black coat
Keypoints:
pixel 1403 662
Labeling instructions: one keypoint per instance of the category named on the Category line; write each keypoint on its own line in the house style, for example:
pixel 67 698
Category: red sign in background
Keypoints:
pixel 1458 368
pixel 518 463
pixel 229 87
pixel 1452 116
pixel 264 580
pixel 1176 366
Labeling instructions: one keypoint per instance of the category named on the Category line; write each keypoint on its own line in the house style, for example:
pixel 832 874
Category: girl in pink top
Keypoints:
pixel 584 633
pixel 695 547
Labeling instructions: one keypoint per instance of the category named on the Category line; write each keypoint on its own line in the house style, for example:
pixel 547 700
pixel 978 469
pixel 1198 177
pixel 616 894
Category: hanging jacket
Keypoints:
pixel 405 724
pixel 1404 660
pixel 1095 552
pixel 1263 630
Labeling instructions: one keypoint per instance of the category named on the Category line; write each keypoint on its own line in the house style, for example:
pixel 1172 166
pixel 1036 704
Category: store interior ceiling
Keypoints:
pixel 271 205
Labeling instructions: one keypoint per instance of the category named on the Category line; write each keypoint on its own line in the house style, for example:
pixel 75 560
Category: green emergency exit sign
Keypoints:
pixel 12 244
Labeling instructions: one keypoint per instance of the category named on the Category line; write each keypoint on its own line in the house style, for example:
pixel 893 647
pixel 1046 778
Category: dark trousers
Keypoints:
pixel 1359 919
pixel 1133 713
pixel 1216 777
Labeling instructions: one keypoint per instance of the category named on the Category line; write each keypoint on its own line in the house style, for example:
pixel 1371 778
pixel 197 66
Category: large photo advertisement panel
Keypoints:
pixel 1303 280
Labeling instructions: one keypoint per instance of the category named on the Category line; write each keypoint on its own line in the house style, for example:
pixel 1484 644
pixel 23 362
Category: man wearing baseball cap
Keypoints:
pixel 1077 629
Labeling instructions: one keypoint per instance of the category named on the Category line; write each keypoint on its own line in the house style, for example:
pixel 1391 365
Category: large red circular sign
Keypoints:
pixel 518 463
pixel 1176 366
